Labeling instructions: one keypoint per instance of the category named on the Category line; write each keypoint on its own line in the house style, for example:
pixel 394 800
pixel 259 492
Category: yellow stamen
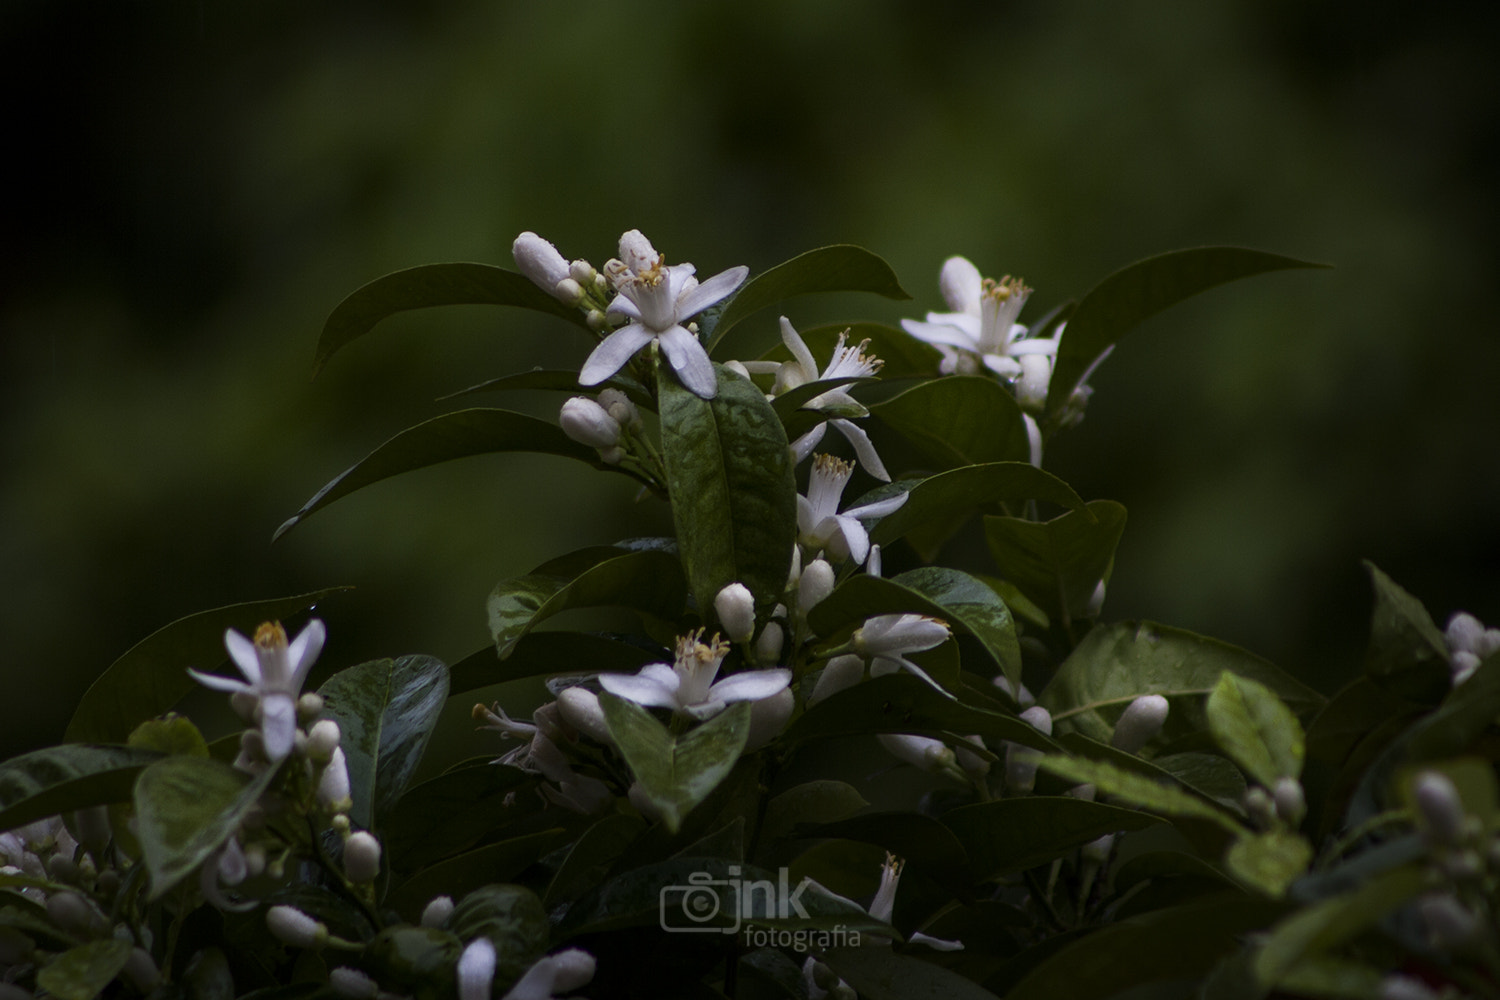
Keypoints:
pixel 270 635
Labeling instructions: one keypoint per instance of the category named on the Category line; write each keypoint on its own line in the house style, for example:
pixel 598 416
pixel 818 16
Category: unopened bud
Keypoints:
pixel 735 606
pixel 1449 923
pixel 1021 760
pixel 924 752
pixel 1031 384
pixel 768 646
pixel 352 984
pixel 1439 807
pixel 539 260
pixel 596 320
pixel 294 928
pixel 323 740
pixel 140 969
pixel 1463 632
pixel 815 585
pixel 309 708
pixel 586 422
pixel 362 857
pixel 1097 851
pixel 476 970
pixel 1398 987
pixel 1291 802
pixel 1139 723
pixel 568 292
pixel 333 784
pixel 1096 601
pixel 245 705
pixel 73 913
pixel 1463 664
pixel 1022 697
pixel 1260 807
pixel 579 708
pixel 620 408
pixel 582 272
pixel 437 911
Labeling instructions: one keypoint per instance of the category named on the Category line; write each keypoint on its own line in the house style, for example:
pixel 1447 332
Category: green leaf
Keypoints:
pixel 590 856
pixel 734 498
pixel 1116 664
pixel 962 491
pixel 449 813
pixel 441 439
pixel 385 710
pixel 1179 943
pixel 821 801
pixel 923 842
pixel 432 285
pixel 901 703
pixel 838 268
pixel 539 653
pixel 1011 835
pixel 648 581
pixel 1137 789
pixel 81 973
pixel 152 675
pixel 497 862
pixel 882 974
pixel 556 380
pixel 959 420
pixel 676 772
pixel 1252 726
pixel 1270 861
pixel 59 779
pixel 172 733
pixel 186 808
pixel 1407 654
pixel 1058 563
pixel 1139 291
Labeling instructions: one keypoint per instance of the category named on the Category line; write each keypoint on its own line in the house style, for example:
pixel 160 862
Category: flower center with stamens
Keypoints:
pixel 270 636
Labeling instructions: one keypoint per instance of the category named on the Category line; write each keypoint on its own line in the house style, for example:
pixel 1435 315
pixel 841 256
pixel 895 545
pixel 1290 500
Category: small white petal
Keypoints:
pixel 690 361
pixel 278 725
pixel 242 652
pixel 719 287
pixel 798 347
pixel 960 282
pixel 303 652
pixel 650 689
pixel 613 353
pixel 804 445
pixel 751 685
pixel 218 683
pixel 863 449
pixel 476 970
pixel 842 672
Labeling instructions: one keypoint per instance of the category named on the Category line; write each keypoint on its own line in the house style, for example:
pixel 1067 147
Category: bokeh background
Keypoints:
pixel 191 187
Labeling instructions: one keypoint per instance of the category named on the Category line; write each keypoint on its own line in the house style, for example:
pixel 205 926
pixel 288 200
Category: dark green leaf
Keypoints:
pixel 839 268
pixel 539 653
pixel 152 675
pixel 1058 563
pixel 432 285
pixel 1269 861
pixel 1011 835
pixel 926 844
pixel 648 581
pixel 442 439
pixel 1252 726
pixel 1139 291
pixel 449 813
pixel 882 974
pixel 385 710
pixel 676 772
pixel 901 703
pixel 455 877
pixel 960 420
pixel 172 733
pixel 1137 789
pixel 1465 714
pixel 1407 654
pixel 81 973
pixel 821 801
pixel 185 809
pixel 591 855
pixel 557 380
pixel 54 780
pixel 1115 664
pixel 734 498
pixel 962 491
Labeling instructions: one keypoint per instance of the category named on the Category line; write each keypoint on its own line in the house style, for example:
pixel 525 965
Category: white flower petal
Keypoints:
pixel 751 685
pixel 715 289
pixel 652 690
pixel 304 651
pixel 939 333
pixel 242 651
pixel 798 347
pixel 278 724
pixel 613 353
pixel 880 508
pixel 217 683
pixel 863 449
pixel 804 445
pixel 856 539
pixel 622 305
pixel 476 970
pixel 1001 365
pixel 690 361
pixel 883 665
pixel 961 284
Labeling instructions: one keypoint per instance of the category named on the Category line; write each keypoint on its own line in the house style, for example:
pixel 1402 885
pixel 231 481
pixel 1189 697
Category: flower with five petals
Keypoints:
pixel 982 327
pixel 689 686
pixel 274 672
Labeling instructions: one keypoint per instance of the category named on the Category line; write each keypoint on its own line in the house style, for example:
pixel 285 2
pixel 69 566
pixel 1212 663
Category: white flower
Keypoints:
pixel 552 974
pixel 982 326
pixel 820 525
pixel 886 639
pixel 539 260
pixel 657 300
pixel 884 903
pixel 588 423
pixel 689 687
pixel 274 671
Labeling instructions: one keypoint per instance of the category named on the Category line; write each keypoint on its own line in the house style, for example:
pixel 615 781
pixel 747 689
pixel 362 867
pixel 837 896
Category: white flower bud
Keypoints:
pixel 333 785
pixel 768 646
pixel 294 928
pixel 362 857
pixel 72 913
pixel 1463 664
pixel 586 422
pixel 1020 759
pixel 579 708
pixel 582 272
pixel 841 672
pixel 571 969
pixel 924 752
pixel 1260 807
pixel 309 707
pixel 140 969
pixel 245 704
pixel 352 984
pixel 620 408
pixel 1023 698
pixel 476 970
pixel 1441 810
pixel 539 260
pixel 1398 987
pixel 255 860
pixel 735 606
pixel 1097 851
pixel 1140 722
pixel 1031 384
pixel 323 740
pixel 437 911
pixel 1463 632
pixel 1488 643
pixel 738 367
pixel 568 292
pixel 815 585
pixel 768 717
pixel 1291 802
pixel 1449 923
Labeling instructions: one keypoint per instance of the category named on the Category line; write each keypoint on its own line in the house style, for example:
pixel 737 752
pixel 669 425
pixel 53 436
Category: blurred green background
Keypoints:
pixel 192 187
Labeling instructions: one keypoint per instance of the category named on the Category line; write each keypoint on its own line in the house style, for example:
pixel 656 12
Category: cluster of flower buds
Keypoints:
pixel 1469 642
pixel 573 284
pixel 607 424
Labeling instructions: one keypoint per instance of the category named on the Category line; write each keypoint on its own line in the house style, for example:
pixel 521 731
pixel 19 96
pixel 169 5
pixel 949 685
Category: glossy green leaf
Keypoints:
pixel 960 420
pixel 444 438
pixel 1407 654
pixel 676 772
pixel 152 675
pixel 1269 861
pixel 172 733
pixel 820 801
pixel 1011 835
pixel 450 813
pixel 498 862
pixel 882 974
pixel 734 498
pixel 591 855
pixel 1115 664
pixel 432 285
pixel 59 779
pixel 185 809
pixel 385 710
pixel 1252 726
pixel 1058 563
pixel 962 491
pixel 838 268
pixel 650 582
pixel 1136 789
pixel 1139 291
pixel 81 973
pixel 1190 770
pixel 539 653
pixel 902 354
pixel 924 843
pixel 902 703
pixel 556 380
pixel 1179 943
pixel 963 602
pixel 1319 928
